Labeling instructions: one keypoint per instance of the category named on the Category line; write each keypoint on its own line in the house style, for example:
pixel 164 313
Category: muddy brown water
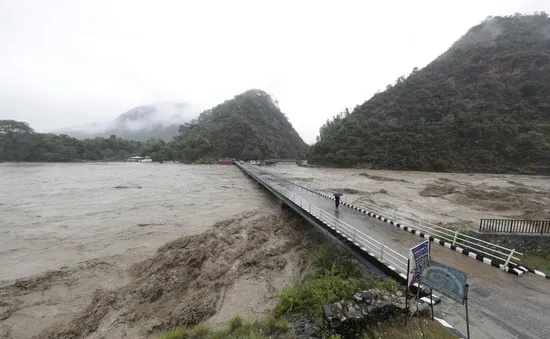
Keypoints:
pixel 68 230
pixel 54 215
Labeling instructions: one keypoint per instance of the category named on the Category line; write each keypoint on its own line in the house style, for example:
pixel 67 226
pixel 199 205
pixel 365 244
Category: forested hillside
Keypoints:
pixel 19 142
pixel 250 126
pixel 483 105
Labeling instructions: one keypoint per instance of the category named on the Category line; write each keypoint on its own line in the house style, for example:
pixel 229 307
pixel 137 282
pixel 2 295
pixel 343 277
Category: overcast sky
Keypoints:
pixel 74 62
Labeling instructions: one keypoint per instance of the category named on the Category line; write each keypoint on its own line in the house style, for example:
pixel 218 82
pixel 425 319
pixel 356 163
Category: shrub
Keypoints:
pixel 235 323
pixel 311 296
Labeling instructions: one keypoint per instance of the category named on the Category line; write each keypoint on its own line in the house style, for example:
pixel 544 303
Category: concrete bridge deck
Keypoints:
pixel 501 305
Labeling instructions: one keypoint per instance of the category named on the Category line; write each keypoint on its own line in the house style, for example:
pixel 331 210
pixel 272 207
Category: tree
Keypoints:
pixel 12 134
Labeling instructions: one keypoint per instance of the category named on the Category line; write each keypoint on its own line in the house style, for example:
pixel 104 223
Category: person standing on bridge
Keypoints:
pixel 337 199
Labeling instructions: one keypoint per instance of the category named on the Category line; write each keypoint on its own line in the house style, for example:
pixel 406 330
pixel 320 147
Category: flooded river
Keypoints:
pixel 54 215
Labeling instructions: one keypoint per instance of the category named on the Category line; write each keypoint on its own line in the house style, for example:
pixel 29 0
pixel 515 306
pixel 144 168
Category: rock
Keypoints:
pixel 368 295
pixel 351 318
pixel 423 309
pixel 329 311
pixel 303 326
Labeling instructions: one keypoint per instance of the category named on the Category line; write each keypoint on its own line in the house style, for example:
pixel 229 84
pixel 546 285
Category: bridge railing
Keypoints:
pixel 368 244
pixel 460 239
pixel 373 247
pixel 514 226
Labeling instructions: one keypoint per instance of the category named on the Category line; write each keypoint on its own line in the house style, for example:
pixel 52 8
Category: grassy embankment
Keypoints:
pixel 538 260
pixel 336 277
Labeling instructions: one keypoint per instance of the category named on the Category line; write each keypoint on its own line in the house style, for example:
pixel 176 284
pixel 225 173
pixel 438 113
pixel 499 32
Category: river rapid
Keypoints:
pixel 55 215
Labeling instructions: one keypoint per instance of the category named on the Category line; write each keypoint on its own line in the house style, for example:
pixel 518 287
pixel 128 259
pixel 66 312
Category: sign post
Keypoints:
pixel 418 257
pixel 407 292
pixel 466 306
pixel 448 281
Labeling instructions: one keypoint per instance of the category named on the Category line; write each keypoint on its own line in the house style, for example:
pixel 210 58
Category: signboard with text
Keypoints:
pixel 446 280
pixel 418 256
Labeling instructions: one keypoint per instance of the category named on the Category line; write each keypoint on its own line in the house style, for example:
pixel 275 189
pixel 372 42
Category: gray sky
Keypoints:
pixel 75 62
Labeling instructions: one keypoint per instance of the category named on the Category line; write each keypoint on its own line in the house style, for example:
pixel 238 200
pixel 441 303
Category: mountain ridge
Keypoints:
pixel 249 126
pixel 480 106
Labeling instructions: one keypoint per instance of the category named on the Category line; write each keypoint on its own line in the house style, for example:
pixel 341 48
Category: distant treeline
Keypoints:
pixel 19 142
pixel 249 126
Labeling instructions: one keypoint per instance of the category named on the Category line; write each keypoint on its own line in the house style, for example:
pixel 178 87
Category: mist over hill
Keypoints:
pixel 160 121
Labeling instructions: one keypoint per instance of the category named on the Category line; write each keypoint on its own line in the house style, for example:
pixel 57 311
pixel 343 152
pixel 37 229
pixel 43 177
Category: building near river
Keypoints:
pixel 139 159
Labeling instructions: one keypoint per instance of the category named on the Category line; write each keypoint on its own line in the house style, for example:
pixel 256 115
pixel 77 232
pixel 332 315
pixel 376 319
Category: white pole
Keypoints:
pixel 510 257
pixel 454 240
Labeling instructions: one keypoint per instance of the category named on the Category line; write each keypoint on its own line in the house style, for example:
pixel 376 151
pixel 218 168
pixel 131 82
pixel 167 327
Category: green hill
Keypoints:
pixel 250 126
pixel 483 106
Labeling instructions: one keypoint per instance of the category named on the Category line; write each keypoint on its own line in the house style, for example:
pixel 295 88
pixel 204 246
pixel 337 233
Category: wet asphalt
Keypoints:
pixel 501 305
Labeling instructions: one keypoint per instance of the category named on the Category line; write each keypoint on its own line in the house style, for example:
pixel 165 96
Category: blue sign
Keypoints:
pixel 446 280
pixel 418 256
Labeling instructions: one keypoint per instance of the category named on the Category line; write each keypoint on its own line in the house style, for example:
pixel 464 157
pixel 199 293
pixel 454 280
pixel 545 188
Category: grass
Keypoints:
pixel 238 328
pixel 539 260
pixel 310 297
pixel 388 285
pixel 336 277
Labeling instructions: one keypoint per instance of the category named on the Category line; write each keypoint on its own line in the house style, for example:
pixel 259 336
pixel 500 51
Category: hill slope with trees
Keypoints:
pixel 19 142
pixel 249 126
pixel 483 106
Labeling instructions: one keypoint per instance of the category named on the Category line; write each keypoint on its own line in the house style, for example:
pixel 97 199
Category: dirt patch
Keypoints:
pixel 379 178
pixel 188 280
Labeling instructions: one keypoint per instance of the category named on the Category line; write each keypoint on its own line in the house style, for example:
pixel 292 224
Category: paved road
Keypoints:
pixel 500 305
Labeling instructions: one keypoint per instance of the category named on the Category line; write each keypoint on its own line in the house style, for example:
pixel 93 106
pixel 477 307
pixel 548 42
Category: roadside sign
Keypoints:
pixel 446 280
pixel 418 256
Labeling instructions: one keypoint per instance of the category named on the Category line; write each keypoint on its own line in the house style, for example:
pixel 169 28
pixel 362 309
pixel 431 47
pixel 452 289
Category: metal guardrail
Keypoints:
pixel 373 247
pixel 493 251
pixel 515 226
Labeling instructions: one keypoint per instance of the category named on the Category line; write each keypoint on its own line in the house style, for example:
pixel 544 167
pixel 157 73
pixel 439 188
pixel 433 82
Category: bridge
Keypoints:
pixel 504 302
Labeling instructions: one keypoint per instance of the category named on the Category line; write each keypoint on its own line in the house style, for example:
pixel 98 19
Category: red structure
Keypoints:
pixel 225 162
